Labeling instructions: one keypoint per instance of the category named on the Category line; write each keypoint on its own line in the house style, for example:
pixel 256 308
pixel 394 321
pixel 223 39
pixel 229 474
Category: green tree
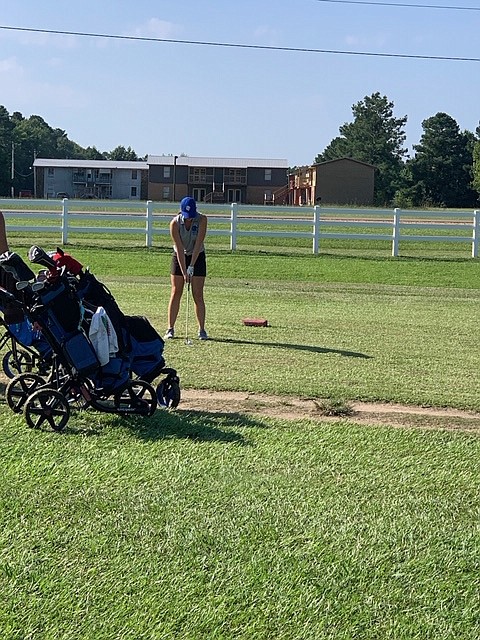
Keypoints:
pixel 32 137
pixel 442 168
pixel 92 153
pixel 120 153
pixel 6 139
pixel 66 148
pixel 377 137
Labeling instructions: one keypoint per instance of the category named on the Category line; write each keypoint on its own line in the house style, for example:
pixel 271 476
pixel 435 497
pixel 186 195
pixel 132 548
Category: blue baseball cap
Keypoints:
pixel 188 207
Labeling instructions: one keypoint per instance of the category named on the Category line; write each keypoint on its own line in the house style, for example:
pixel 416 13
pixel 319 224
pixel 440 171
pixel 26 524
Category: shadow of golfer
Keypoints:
pixel 299 347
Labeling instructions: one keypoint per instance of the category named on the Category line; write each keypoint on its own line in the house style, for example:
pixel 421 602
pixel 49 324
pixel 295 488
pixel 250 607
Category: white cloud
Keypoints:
pixel 55 63
pixel 155 28
pixel 266 35
pixel 352 41
pixel 38 39
pixel 10 65
pixel 378 40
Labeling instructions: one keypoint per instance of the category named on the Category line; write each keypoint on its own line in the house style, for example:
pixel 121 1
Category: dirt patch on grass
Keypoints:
pixel 291 408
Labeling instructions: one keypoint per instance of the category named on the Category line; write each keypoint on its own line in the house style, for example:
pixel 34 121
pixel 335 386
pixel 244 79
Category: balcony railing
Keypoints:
pixel 82 178
pixel 200 178
pixel 234 179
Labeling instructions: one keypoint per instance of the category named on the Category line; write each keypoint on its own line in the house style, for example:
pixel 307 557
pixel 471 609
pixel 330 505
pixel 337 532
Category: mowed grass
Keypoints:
pixel 198 525
pixel 391 343
pixel 194 524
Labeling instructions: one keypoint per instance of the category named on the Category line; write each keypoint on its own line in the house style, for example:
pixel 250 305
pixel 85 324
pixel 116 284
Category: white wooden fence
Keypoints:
pixel 393 225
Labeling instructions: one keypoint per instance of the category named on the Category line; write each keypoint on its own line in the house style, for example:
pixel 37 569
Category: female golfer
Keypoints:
pixel 188 230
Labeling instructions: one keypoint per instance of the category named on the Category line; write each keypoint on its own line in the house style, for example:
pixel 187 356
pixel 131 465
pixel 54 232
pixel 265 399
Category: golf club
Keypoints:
pixel 39 256
pixel 187 339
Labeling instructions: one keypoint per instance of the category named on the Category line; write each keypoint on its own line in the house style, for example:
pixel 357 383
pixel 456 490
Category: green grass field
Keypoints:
pixel 204 525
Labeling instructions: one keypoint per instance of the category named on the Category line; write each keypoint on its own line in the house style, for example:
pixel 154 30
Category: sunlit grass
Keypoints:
pixel 196 524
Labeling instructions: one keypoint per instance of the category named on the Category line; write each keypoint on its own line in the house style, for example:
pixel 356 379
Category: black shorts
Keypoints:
pixel 200 267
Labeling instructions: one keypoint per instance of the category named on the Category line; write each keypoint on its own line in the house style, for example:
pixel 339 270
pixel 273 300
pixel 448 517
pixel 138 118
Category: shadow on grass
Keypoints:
pixel 201 426
pixel 299 347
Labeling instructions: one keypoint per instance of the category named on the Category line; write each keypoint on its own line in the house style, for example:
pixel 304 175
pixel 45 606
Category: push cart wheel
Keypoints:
pixel 15 363
pixel 47 406
pixel 168 392
pixel 138 397
pixel 20 387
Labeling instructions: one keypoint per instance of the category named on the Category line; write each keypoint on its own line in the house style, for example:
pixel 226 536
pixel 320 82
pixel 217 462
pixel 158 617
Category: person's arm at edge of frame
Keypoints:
pixel 202 232
pixel 3 235
pixel 179 248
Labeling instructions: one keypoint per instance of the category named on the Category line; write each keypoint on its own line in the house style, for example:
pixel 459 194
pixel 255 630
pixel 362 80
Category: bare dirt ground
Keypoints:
pixel 290 408
pixel 293 408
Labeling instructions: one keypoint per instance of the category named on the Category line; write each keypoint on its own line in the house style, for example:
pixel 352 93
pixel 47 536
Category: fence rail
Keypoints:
pixel 392 224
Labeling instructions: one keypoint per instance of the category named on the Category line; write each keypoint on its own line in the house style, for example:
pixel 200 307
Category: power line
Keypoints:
pixel 241 46
pixel 402 4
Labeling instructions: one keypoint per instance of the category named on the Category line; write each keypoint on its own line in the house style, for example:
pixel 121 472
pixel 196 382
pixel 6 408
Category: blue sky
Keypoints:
pixel 177 98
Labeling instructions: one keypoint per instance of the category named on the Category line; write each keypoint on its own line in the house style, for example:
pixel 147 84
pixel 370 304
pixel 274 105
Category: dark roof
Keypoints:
pixel 367 164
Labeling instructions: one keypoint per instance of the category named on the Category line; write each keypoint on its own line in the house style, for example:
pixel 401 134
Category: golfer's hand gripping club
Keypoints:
pixel 190 271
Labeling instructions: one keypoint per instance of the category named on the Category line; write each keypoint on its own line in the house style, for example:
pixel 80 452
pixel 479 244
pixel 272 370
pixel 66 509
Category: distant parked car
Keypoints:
pixel 62 195
pixel 26 193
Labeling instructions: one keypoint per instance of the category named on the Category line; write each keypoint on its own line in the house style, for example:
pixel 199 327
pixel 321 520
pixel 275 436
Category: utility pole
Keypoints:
pixel 13 169
pixel 175 158
pixel 34 174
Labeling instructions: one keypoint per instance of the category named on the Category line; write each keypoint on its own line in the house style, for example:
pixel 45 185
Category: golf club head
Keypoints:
pixel 40 256
pixel 188 342
pixel 38 285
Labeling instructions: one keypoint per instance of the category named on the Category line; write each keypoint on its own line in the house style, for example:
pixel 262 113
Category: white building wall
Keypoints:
pixel 56 180
pixel 124 186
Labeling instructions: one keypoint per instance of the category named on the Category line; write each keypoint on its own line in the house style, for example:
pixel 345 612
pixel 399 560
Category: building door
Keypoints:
pixel 199 194
pixel 235 195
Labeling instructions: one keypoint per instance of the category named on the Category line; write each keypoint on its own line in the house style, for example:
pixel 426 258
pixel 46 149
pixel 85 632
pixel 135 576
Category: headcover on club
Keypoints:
pixel 39 256
pixel 63 259
pixel 14 264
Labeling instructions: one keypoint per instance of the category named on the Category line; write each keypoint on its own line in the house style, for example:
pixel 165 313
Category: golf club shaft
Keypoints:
pixel 188 311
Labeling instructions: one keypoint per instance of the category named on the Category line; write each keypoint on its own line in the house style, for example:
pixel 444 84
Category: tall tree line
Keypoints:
pixel 24 139
pixel 444 170
pixel 445 167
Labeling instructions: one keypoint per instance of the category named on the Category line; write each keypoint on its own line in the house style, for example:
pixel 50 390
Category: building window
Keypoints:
pixel 166 193
pixel 198 175
pixel 134 174
pixel 51 171
pixel 133 192
pixel 268 175
pixel 166 172
pixel 235 176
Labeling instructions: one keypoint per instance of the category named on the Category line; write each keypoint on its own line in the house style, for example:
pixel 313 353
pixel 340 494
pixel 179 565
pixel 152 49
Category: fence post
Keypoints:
pixel 316 229
pixel 233 226
pixel 476 232
pixel 64 225
pixel 396 232
pixel 149 224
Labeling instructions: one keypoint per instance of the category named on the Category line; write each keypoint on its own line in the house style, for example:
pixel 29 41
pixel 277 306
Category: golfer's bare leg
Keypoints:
pixel 175 297
pixel 198 282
